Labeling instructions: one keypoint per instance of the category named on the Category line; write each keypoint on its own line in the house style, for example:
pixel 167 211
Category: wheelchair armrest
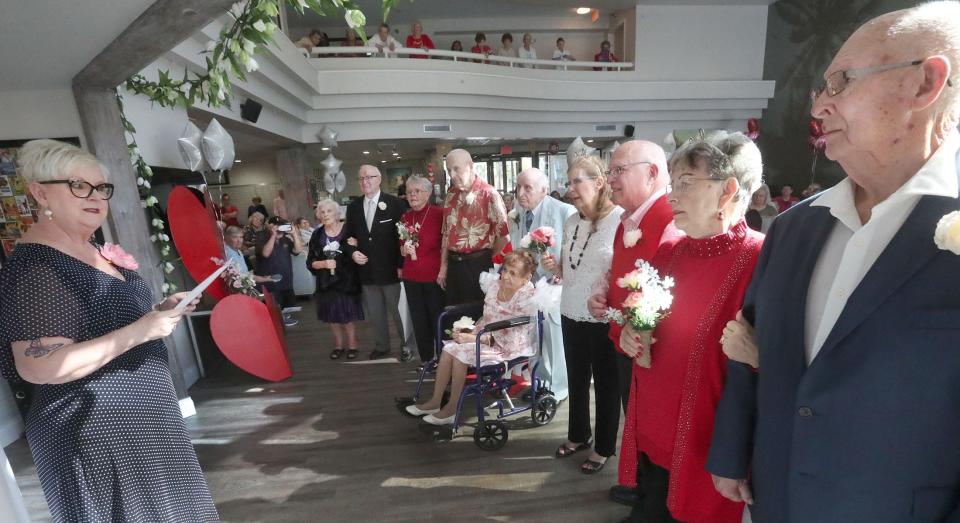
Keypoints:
pixel 471 309
pixel 505 324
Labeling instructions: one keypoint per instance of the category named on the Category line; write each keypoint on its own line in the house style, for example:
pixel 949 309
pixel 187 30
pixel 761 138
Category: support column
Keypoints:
pixel 100 117
pixel 294 175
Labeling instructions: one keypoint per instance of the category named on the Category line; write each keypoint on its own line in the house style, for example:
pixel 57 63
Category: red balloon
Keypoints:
pixel 753 125
pixel 816 128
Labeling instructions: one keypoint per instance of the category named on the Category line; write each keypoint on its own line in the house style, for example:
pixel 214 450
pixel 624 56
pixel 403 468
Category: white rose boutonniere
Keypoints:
pixel 947 235
pixel 382 206
pixel 630 238
pixel 514 216
pixel 470 198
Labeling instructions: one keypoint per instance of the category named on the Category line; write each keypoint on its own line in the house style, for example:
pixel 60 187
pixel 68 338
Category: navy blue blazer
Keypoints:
pixel 870 431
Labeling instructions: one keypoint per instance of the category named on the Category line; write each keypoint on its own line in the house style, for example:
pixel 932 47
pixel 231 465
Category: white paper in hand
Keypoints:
pixel 198 290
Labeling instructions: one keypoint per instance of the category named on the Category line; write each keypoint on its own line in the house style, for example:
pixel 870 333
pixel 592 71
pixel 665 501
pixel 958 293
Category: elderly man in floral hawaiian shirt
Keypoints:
pixel 474 229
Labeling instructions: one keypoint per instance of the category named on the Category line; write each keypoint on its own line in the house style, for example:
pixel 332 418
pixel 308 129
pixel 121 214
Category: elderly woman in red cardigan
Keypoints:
pixel 673 402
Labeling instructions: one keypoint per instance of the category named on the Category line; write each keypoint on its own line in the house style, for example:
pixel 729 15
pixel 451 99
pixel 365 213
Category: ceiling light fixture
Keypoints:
pixel 238 161
pixel 395 153
pixel 590 140
pixel 366 152
pixel 583 10
pixel 383 161
pixel 324 148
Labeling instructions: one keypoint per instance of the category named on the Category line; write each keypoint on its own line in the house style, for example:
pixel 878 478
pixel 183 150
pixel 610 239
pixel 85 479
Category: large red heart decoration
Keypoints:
pixel 250 335
pixel 196 235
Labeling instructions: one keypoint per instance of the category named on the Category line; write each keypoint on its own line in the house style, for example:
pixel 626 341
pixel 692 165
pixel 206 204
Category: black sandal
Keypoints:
pixel 335 354
pixel 563 451
pixel 592 467
pixel 352 354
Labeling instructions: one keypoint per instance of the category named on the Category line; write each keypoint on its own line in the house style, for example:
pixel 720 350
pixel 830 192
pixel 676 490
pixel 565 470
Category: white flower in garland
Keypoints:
pixel 146 184
pixel 140 181
pixel 164 237
pixel 157 222
pixel 165 250
pixel 251 65
pixel 166 287
pixel 167 267
pixel 260 26
pixel 947 234
pixel 152 200
pixel 249 46
pixel 355 18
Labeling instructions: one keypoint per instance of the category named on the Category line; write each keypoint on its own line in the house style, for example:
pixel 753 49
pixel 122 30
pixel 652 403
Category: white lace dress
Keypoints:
pixel 585 259
pixel 508 343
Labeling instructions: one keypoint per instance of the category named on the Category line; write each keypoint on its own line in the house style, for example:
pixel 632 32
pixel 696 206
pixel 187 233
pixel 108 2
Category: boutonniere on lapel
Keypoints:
pixel 470 198
pixel 947 235
pixel 382 206
pixel 514 216
pixel 630 238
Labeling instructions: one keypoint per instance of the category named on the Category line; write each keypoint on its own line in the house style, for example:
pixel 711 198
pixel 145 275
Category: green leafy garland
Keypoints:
pixel 232 53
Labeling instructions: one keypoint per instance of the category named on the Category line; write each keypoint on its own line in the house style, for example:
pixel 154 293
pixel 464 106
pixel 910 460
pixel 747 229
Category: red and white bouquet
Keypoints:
pixel 647 304
pixel 410 236
pixel 539 240
pixel 238 282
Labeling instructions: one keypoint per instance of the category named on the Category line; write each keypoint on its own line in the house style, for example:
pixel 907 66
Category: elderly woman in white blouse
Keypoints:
pixel 584 262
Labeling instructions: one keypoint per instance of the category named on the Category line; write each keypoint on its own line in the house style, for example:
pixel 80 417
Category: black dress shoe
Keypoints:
pixel 406 356
pixel 379 354
pixel 624 495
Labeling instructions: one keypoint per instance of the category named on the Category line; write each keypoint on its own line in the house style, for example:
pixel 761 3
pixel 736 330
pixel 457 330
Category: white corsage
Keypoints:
pixel 514 216
pixel 947 235
pixel 382 206
pixel 488 278
pixel 470 198
pixel 464 324
pixel 630 238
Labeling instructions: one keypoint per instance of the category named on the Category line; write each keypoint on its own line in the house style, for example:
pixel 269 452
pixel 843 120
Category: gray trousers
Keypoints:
pixel 381 301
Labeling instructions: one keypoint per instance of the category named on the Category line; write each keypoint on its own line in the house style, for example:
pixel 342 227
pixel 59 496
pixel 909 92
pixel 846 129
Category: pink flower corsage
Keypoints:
pixel 119 257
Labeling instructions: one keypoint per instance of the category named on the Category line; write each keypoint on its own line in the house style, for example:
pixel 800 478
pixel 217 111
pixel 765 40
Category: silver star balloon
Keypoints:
pixel 328 136
pixel 331 164
pixel 190 144
pixel 218 146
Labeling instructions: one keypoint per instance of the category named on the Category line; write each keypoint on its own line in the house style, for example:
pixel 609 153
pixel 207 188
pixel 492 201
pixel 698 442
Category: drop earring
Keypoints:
pixel 48 213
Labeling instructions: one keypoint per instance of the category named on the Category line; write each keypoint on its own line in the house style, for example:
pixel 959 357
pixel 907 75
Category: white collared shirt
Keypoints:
pixel 852 247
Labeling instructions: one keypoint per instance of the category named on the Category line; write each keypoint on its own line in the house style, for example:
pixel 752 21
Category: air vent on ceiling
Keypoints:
pixel 443 128
pixel 605 127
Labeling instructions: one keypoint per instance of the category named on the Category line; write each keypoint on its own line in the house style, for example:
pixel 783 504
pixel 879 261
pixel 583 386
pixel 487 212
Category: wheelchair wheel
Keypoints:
pixel 544 410
pixel 491 435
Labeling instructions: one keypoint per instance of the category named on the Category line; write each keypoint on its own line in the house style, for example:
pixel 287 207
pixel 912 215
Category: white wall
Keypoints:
pixel 157 127
pixel 38 114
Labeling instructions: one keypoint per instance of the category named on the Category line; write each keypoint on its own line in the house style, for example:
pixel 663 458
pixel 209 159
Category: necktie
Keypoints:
pixel 369 214
pixel 528 220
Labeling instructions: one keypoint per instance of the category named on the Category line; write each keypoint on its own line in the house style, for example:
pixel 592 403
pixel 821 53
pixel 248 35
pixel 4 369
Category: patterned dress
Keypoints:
pixel 111 446
pixel 508 343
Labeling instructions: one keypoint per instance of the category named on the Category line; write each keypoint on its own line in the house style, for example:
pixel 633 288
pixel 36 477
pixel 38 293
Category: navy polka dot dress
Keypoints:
pixel 111 446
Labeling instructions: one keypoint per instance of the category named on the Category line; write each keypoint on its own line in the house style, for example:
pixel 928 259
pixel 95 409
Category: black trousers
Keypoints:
pixel 625 371
pixel 653 490
pixel 425 301
pixel 463 277
pixel 590 353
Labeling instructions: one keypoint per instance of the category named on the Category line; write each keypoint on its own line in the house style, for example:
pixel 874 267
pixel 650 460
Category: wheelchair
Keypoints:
pixel 489 382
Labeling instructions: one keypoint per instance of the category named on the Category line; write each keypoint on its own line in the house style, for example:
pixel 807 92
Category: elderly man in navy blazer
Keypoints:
pixel 853 414
pixel 535 209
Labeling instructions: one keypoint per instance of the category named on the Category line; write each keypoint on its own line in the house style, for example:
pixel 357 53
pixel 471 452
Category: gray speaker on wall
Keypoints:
pixel 250 110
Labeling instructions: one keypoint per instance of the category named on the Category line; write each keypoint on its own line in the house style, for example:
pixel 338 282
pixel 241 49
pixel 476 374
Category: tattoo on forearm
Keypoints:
pixel 38 350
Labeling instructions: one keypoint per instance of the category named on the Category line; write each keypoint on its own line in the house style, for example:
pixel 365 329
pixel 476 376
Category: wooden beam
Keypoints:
pixel 160 28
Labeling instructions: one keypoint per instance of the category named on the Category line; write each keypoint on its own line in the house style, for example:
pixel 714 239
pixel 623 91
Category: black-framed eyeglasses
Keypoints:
pixel 82 189
pixel 616 172
pixel 837 81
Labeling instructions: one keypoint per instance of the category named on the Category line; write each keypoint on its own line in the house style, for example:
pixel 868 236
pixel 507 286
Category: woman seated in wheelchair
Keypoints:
pixel 506 298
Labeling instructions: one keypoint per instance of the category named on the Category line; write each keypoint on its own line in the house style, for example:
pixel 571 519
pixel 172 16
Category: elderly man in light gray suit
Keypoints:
pixel 534 209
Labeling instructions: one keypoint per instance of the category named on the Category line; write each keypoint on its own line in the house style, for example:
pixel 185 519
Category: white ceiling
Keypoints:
pixel 44 43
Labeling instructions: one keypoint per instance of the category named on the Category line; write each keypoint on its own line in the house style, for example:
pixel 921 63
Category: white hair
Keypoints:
pixel 935 28
pixel 330 204
pixel 422 182
pixel 45 160
pixel 725 155
pixel 538 175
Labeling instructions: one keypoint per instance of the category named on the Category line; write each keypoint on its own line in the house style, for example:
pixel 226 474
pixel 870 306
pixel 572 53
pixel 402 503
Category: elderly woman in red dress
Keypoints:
pixel 673 402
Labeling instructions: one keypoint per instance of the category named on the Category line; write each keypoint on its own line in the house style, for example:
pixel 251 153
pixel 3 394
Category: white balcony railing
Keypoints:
pixel 459 56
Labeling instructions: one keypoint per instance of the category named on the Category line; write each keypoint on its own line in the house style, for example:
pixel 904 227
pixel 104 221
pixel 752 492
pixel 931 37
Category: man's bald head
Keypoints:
pixel 532 185
pixel 642 167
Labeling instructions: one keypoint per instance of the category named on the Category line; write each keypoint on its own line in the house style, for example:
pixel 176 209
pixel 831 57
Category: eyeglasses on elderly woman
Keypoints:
pixel 82 189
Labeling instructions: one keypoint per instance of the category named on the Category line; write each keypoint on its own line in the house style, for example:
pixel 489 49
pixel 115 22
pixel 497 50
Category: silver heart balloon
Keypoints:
pixel 218 146
pixel 341 181
pixel 328 136
pixel 190 143
pixel 578 149
pixel 331 164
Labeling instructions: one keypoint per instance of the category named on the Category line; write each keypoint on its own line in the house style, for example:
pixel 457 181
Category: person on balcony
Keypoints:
pixel 383 40
pixel 561 53
pixel 456 46
pixel 527 50
pixel 418 40
pixel 506 47
pixel 316 38
pixel 481 47
pixel 605 55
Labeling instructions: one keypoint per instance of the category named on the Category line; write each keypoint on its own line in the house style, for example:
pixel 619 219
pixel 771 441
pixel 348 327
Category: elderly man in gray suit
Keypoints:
pixel 534 209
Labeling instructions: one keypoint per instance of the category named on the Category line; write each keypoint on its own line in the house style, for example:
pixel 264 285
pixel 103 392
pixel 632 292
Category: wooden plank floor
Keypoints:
pixel 329 445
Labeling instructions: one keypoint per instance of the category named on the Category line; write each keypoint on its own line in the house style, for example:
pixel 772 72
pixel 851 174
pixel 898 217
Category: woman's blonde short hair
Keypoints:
pixel 45 160
pixel 330 204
